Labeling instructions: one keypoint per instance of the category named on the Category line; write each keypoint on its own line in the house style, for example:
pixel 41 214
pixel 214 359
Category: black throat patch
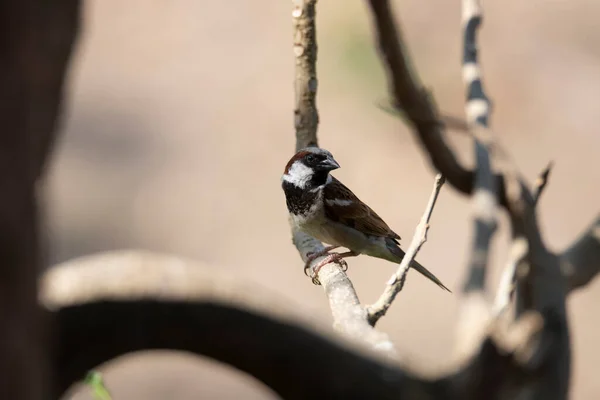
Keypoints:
pixel 299 201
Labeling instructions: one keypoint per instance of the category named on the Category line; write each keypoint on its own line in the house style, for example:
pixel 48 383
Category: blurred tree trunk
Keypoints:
pixel 35 46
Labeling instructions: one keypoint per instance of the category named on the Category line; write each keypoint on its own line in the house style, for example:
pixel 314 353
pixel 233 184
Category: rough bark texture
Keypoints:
pixel 306 116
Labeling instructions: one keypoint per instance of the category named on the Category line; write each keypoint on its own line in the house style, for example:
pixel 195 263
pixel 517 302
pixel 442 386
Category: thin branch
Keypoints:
pixel 447 121
pixel 541 182
pixel 396 282
pixel 415 101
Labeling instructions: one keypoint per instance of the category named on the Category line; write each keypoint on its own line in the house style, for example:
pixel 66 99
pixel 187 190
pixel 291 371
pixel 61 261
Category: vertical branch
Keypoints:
pixel 306 116
pixel 474 316
pixel 349 316
pixel 518 250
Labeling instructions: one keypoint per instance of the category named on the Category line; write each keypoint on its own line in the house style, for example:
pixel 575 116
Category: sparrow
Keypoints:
pixel 324 208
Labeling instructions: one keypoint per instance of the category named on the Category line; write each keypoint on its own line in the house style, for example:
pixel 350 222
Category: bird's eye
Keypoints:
pixel 310 158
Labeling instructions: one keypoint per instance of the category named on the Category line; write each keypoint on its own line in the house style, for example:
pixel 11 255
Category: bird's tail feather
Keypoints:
pixel 427 274
pixel 397 251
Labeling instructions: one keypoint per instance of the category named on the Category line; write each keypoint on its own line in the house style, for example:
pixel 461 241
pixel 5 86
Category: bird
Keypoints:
pixel 324 208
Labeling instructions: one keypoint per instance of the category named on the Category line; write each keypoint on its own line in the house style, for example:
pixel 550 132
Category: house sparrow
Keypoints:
pixel 322 207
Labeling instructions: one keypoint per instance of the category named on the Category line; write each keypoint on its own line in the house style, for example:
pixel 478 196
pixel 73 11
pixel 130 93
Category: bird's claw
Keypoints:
pixel 343 264
pixel 331 258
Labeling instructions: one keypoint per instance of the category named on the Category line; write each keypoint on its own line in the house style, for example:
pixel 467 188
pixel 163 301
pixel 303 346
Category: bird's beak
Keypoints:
pixel 328 164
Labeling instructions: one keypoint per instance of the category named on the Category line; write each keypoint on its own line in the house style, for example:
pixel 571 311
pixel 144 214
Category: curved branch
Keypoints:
pixel 415 101
pixel 111 304
pixel 101 312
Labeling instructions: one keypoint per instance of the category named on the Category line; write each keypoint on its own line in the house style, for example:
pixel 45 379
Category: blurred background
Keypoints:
pixel 179 124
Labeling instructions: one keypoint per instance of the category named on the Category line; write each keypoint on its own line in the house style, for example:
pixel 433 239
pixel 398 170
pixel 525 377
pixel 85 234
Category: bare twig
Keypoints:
pixel 445 120
pixel 396 282
pixel 541 182
pixel 412 99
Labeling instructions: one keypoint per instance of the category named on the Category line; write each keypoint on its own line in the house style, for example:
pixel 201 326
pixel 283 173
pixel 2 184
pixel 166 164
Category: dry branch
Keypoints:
pixel 349 316
pixel 415 101
pixel 517 254
pixel 542 289
pixel 306 116
pixel 474 316
pixel 111 304
pixel 541 182
pixel 580 263
pixel 102 303
pixel 396 282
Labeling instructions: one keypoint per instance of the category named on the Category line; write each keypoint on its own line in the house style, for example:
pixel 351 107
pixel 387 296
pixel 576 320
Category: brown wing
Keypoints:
pixel 341 205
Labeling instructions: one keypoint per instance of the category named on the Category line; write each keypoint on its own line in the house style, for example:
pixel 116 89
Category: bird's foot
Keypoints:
pixel 337 258
pixel 312 256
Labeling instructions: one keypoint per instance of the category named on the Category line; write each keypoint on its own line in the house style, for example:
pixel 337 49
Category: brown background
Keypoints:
pixel 179 124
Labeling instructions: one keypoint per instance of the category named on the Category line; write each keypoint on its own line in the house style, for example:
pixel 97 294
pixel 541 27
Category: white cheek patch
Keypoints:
pixel 339 202
pixel 299 175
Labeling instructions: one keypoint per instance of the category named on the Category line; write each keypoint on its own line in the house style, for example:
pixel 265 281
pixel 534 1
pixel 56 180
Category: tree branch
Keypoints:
pixel 518 253
pixel 349 316
pixel 474 315
pixel 35 49
pixel 542 280
pixel 306 116
pixel 580 263
pixel 396 282
pixel 111 304
pixel 411 98
pixel 541 182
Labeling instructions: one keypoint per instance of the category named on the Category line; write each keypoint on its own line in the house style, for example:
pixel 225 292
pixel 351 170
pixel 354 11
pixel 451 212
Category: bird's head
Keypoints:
pixel 309 168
